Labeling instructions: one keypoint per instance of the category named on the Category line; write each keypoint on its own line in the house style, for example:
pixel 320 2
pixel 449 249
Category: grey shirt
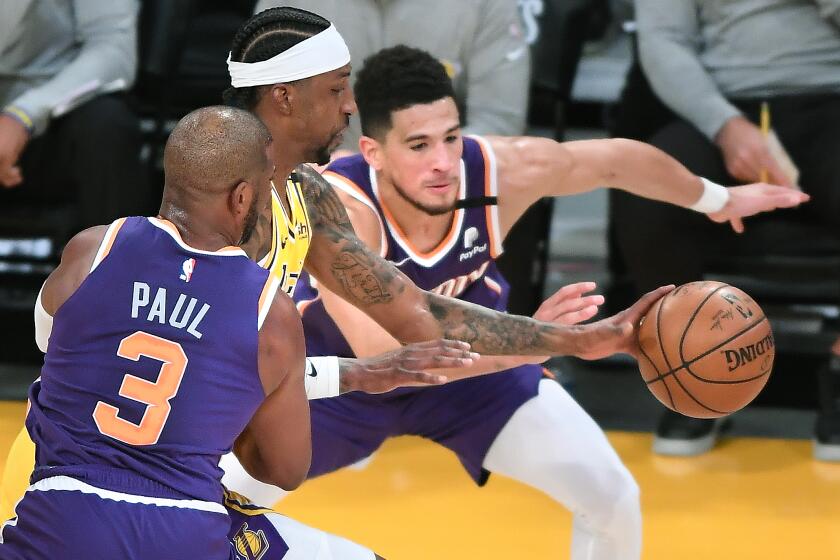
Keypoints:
pixel 697 54
pixel 480 41
pixel 57 54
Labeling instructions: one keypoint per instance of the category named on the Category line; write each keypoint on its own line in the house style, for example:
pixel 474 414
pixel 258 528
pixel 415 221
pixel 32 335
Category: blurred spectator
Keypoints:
pixel 481 43
pixel 713 63
pixel 64 135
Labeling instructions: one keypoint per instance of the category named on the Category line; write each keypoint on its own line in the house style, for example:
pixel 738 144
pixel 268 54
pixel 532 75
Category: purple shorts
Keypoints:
pixel 464 416
pixel 84 523
pixel 72 524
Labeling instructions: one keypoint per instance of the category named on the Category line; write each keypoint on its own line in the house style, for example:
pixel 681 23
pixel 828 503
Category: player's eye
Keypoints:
pixel 418 147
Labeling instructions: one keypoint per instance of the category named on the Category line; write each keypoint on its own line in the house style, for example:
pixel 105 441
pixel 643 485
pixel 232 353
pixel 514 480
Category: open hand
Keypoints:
pixel 568 306
pixel 746 153
pixel 405 366
pixel 748 200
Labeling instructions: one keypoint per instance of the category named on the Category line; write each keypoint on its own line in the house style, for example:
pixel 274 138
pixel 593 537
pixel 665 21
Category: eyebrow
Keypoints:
pixel 424 136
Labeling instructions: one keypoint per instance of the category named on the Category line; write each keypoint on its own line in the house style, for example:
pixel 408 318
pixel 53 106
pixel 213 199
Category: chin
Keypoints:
pixel 439 208
pixel 321 156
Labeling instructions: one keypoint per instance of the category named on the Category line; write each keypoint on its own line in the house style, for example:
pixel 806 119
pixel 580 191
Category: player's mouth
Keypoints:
pixel 440 188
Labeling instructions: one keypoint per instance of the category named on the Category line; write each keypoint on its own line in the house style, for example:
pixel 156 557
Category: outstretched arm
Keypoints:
pixel 342 263
pixel 531 168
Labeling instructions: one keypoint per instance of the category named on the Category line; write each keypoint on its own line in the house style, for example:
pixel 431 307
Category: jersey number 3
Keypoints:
pixel 155 395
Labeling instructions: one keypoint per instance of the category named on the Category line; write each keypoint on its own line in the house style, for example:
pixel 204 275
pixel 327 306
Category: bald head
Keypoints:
pixel 218 173
pixel 212 149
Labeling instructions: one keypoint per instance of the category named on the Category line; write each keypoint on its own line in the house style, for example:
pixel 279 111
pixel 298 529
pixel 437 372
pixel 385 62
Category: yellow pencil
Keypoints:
pixel 765 131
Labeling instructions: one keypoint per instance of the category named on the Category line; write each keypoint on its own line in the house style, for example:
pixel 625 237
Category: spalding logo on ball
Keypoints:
pixel 706 349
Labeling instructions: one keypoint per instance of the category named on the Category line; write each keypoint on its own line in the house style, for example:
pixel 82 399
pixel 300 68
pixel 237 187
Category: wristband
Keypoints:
pixel 20 116
pixel 321 378
pixel 713 199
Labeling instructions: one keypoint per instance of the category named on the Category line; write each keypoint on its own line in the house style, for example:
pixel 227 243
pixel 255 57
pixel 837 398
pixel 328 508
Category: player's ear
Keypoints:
pixel 241 198
pixel 371 150
pixel 283 97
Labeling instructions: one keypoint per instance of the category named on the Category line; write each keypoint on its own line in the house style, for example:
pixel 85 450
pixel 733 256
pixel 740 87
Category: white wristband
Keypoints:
pixel 43 324
pixel 713 199
pixel 321 377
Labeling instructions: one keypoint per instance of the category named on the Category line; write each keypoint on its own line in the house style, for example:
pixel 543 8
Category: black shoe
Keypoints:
pixel 827 437
pixel 683 436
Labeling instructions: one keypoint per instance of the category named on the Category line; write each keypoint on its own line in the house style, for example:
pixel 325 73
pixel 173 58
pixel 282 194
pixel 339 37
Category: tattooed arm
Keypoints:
pixel 344 265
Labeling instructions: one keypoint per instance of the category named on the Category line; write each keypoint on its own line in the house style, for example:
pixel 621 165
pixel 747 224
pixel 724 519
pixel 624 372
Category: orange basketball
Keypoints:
pixel 706 349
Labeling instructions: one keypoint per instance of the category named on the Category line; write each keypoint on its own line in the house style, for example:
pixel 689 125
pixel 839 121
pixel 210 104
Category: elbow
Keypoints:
pixel 287 471
pixel 291 474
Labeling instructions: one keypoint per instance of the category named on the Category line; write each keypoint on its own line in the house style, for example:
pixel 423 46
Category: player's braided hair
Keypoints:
pixel 265 35
pixel 397 78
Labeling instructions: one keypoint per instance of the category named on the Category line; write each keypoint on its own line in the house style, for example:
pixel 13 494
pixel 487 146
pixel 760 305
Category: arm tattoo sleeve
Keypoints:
pixel 363 277
pixel 493 333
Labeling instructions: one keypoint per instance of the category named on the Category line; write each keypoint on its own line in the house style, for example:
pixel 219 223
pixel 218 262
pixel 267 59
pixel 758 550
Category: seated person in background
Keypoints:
pixel 63 138
pixel 713 64
pixel 481 43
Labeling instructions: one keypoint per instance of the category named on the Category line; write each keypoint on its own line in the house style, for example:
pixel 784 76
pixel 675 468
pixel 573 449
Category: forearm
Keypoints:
pixel 667 37
pixel 646 171
pixel 354 374
pixel 486 365
pixel 488 332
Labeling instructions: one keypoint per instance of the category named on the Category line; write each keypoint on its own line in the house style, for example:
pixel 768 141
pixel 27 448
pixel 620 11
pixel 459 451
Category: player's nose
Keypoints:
pixel 348 107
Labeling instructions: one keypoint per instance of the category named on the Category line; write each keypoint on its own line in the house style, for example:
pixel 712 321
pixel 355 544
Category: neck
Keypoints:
pixel 425 231
pixel 286 158
pixel 195 229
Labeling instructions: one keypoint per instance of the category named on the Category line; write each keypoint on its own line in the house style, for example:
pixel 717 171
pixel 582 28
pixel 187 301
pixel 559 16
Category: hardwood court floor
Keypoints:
pixel 748 499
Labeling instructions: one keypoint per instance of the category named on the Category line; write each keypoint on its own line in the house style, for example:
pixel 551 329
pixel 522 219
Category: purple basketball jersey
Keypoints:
pixel 462 266
pixel 151 371
pixel 464 416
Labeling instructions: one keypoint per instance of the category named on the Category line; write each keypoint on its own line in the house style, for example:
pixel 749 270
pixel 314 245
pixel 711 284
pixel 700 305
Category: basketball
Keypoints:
pixel 706 349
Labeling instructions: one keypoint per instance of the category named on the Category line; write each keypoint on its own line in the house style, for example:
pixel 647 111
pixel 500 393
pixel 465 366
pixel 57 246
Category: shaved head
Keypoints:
pixel 212 149
pixel 218 167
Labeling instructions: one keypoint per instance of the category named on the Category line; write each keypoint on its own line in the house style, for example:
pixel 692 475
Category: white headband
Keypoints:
pixel 320 53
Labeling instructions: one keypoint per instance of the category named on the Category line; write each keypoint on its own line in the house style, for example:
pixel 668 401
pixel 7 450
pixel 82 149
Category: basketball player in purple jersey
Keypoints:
pixel 438 206
pixel 169 344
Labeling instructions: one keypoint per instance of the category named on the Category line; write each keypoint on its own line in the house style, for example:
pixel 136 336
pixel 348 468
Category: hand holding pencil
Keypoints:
pixel 748 155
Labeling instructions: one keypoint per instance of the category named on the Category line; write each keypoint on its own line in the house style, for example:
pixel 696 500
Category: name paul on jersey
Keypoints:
pixel 181 315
